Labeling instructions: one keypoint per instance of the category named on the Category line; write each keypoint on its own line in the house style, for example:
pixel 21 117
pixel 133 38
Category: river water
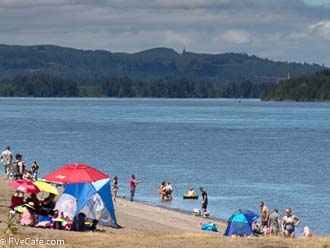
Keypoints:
pixel 241 152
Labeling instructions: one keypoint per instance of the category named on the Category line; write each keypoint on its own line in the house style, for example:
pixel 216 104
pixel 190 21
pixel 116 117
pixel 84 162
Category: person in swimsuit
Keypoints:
pixel 264 214
pixel 290 222
pixel 169 191
pixel 161 190
pixel 115 187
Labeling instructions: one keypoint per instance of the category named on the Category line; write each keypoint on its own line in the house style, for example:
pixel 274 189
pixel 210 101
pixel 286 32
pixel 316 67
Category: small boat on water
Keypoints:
pixel 191 197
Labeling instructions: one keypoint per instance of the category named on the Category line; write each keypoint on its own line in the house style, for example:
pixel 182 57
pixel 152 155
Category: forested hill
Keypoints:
pixel 87 67
pixel 308 88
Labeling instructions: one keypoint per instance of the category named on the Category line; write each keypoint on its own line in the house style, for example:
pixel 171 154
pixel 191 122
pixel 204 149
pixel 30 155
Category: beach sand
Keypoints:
pixel 147 226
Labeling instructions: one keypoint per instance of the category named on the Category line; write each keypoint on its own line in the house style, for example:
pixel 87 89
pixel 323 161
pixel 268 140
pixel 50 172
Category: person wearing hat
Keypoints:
pixel 132 184
pixel 28 215
pixel 33 198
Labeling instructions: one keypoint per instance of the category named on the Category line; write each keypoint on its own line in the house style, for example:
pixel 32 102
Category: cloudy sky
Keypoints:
pixel 286 30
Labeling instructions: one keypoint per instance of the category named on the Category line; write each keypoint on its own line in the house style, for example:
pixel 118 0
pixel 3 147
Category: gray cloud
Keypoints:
pixel 278 29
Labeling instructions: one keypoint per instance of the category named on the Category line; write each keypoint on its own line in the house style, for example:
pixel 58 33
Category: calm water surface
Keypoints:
pixel 240 152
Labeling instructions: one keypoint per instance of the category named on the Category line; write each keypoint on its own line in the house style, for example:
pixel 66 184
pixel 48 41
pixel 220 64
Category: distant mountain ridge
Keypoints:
pixel 89 66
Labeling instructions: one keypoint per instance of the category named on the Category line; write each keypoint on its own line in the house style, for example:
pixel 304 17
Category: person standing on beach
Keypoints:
pixel 274 223
pixel 132 184
pixel 290 222
pixel 115 188
pixel 204 199
pixel 264 214
pixel 6 157
pixel 19 166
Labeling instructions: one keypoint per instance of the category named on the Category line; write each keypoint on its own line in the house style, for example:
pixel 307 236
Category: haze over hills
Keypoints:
pixel 87 67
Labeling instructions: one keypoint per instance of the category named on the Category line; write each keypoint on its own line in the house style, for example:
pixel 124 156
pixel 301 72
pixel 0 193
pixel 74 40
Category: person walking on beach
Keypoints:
pixel 274 223
pixel 290 222
pixel 115 188
pixel 264 214
pixel 6 157
pixel 132 184
pixel 204 199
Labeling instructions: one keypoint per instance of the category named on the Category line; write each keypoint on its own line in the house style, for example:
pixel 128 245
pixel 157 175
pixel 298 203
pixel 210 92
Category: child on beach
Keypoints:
pixel 93 226
pixel 35 170
pixel 307 232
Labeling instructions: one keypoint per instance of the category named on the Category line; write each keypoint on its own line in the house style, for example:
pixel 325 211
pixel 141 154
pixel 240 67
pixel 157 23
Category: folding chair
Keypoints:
pixel 15 214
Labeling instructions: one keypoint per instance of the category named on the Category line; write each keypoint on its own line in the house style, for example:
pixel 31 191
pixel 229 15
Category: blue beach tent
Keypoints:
pixel 240 223
pixel 93 199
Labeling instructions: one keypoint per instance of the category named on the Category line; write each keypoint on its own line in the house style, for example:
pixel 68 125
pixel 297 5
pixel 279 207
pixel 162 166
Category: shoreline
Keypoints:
pixel 146 225
pixel 167 207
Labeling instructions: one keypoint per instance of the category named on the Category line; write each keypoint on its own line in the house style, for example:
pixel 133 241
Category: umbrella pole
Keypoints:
pixel 77 206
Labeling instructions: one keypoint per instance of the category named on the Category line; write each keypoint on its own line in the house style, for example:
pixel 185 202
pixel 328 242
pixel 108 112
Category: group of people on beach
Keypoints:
pixel 273 224
pixel 165 190
pixel 17 169
pixel 270 223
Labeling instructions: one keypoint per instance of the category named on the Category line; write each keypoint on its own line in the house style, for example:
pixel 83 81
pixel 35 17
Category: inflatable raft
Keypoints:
pixel 191 197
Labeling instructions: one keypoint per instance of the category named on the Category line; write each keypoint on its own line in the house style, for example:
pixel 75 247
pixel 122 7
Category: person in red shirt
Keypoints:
pixel 132 184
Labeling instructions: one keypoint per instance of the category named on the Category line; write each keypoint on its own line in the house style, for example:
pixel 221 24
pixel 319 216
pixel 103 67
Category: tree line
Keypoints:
pixel 42 85
pixel 308 88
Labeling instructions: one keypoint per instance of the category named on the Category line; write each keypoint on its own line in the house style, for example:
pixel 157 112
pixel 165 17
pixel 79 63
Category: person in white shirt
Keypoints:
pixel 6 157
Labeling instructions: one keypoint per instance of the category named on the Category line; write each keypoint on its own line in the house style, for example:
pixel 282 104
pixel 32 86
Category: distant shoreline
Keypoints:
pixel 238 100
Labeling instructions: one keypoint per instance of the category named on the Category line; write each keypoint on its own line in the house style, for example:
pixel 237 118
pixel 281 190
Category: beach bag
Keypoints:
pixel 209 227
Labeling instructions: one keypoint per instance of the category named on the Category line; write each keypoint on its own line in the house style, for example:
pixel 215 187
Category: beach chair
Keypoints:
pixel 15 209
pixel 15 214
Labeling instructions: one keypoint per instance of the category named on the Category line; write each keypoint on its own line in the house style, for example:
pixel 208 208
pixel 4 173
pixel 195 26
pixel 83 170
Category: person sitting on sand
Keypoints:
pixel 28 215
pixel 307 232
pixel 256 229
pixel 33 198
pixel 94 225
pixel 27 175
pixel 290 222
pixel 169 191
pixel 48 205
pixel 78 223
pixel 191 192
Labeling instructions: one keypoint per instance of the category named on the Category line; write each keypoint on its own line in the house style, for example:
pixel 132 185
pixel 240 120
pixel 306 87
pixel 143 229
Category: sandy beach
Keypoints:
pixel 146 226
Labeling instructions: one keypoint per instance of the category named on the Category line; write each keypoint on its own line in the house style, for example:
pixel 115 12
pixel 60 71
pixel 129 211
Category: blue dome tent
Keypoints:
pixel 93 199
pixel 240 223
